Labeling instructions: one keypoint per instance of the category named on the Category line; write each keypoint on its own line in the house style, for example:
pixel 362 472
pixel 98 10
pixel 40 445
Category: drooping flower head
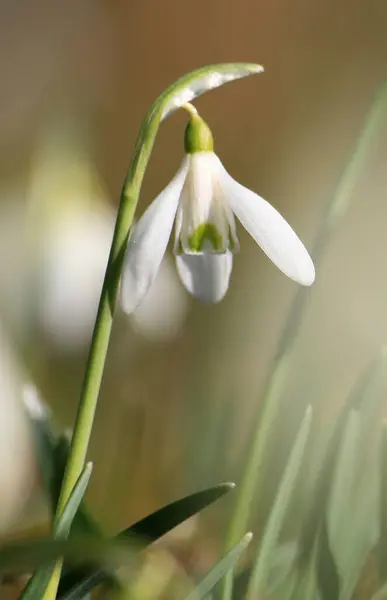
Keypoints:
pixel 203 200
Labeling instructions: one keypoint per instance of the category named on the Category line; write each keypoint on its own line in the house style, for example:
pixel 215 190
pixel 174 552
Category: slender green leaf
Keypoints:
pixel 70 510
pixel 364 398
pixel 257 454
pixel 323 483
pixel 355 164
pixel 344 476
pixel 282 563
pixel 36 586
pixel 163 520
pixel 307 587
pixel 75 584
pixel 344 479
pixel 325 566
pixel 363 536
pixel 285 588
pixel 352 511
pixel 281 578
pixel 215 574
pixel 259 576
pixel 26 555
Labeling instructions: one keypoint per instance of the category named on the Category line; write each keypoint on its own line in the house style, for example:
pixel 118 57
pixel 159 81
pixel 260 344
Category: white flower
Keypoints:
pixel 203 198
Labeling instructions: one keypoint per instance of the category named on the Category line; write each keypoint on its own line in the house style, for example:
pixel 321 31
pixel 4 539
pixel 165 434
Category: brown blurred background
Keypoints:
pixel 76 80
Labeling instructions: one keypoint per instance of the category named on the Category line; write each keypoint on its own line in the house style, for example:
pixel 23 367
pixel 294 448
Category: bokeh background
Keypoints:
pixel 182 382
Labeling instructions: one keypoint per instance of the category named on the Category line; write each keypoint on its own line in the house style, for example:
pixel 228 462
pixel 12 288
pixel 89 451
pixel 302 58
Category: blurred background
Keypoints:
pixel 183 380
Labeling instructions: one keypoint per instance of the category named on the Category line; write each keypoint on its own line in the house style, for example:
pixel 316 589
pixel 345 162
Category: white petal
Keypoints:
pixel 270 230
pixel 203 209
pixel 206 276
pixel 148 243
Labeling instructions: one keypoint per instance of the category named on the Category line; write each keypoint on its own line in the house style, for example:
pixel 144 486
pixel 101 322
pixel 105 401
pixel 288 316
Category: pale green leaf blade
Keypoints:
pixel 37 584
pixel 77 583
pixel 259 576
pixel 352 512
pixel 24 556
pixel 215 574
pixel 343 481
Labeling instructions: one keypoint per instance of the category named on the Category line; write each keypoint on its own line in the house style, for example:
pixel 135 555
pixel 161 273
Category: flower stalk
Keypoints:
pixel 102 330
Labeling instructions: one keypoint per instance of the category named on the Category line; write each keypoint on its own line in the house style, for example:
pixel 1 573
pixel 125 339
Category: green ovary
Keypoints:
pixel 205 232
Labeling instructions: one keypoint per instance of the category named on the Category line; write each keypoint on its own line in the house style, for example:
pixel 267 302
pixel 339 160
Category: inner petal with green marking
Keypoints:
pixel 204 221
pixel 204 236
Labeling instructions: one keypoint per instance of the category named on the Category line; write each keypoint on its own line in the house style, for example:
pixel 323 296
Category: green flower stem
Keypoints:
pixel 196 83
pixel 280 366
pixel 103 325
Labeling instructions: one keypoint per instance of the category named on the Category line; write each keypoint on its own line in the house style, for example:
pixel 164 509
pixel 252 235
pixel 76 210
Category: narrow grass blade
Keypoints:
pixel 363 397
pixel 218 571
pixel 306 587
pixel 363 400
pixel 326 568
pixel 286 587
pixel 352 511
pixel 24 556
pixel 76 583
pixel 363 536
pixel 255 463
pixel 281 576
pixel 37 584
pixel 259 576
pixel 343 480
pixel 168 517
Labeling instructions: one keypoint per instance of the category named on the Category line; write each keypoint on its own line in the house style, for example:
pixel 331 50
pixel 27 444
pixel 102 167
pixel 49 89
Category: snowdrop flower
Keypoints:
pixel 204 199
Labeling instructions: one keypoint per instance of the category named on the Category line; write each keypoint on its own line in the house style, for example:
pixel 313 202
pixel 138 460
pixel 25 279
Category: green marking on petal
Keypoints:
pixel 205 232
